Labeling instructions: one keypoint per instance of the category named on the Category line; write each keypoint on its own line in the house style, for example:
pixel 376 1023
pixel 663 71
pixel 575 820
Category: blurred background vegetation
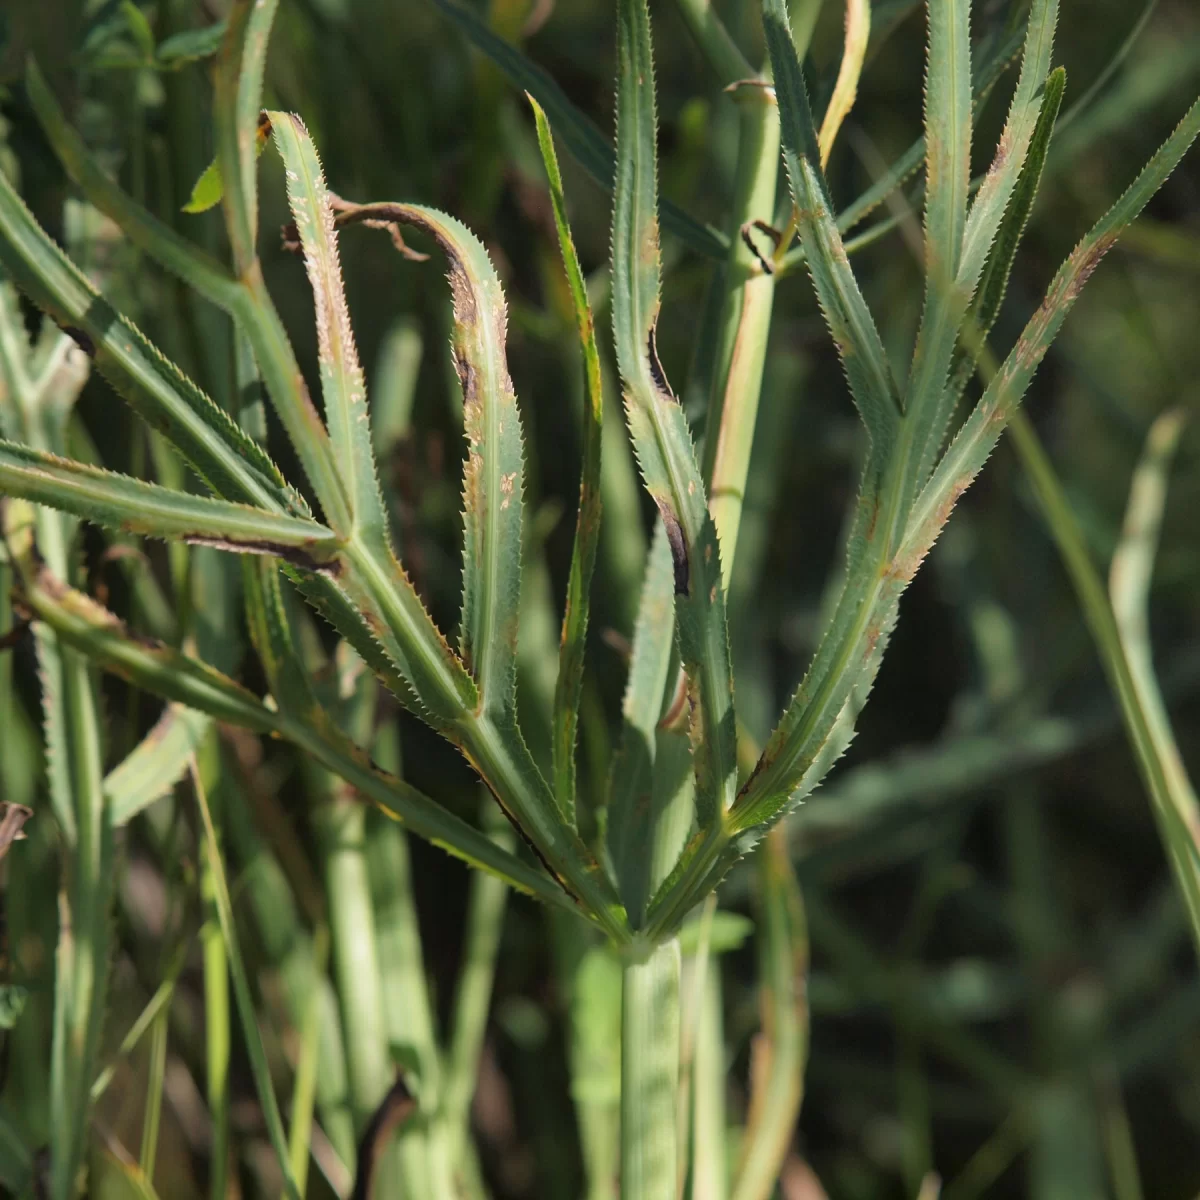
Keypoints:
pixel 1002 986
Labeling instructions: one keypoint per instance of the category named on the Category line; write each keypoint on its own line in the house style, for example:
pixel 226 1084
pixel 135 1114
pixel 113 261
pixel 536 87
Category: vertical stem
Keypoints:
pixel 650 1074
pixel 710 1169
pixel 341 824
pixel 746 322
pixel 485 922
pixel 216 1000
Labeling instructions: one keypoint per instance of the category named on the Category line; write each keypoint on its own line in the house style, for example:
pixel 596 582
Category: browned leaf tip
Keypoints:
pixel 12 819
pixel 346 212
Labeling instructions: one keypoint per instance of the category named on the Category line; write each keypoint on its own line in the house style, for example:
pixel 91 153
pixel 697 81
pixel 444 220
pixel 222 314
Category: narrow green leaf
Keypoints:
pixel 304 1089
pixel 487 904
pixel 156 764
pixel 951 285
pixel 777 1067
pixel 1152 744
pixel 288 948
pixel 630 804
pixel 845 89
pixel 569 685
pixel 493 477
pixel 237 102
pixel 133 506
pixel 586 144
pixel 659 428
pixel 994 281
pixel 995 193
pixel 850 322
pixel 947 142
pixel 259 1067
pixel 192 45
pixel 139 27
pixel 155 1071
pixel 343 386
pixel 1129 590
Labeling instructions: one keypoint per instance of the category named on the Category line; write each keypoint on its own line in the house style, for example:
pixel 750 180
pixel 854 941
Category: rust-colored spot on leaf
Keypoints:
pixel 1088 262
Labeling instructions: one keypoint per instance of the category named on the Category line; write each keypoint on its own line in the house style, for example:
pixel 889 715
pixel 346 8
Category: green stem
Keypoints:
pixel 726 60
pixel 485 922
pixel 340 826
pixel 650 1074
pixel 216 1029
pixel 745 324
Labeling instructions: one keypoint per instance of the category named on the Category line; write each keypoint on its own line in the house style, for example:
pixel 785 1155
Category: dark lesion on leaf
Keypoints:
pixel 679 549
pixel 81 339
pixel 295 556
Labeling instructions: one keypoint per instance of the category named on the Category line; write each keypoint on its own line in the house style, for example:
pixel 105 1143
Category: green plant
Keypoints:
pixel 683 802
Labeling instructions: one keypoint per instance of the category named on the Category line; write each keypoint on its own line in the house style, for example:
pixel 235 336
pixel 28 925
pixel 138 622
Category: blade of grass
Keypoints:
pixel 238 86
pixel 487 903
pixel 744 322
pixel 156 764
pixel 994 281
pixel 569 684
pixel 343 386
pixel 1129 591
pixel 1146 723
pixel 242 994
pixel 155 1071
pixel 947 180
pixel 288 948
pixel 779 1054
pixel 845 89
pixel 425 1158
pixel 632 813
pixel 728 64
pixel 586 144
pixel 304 1088
pixel 217 1023
pixel 659 428
pixel 132 506
pixel 987 215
